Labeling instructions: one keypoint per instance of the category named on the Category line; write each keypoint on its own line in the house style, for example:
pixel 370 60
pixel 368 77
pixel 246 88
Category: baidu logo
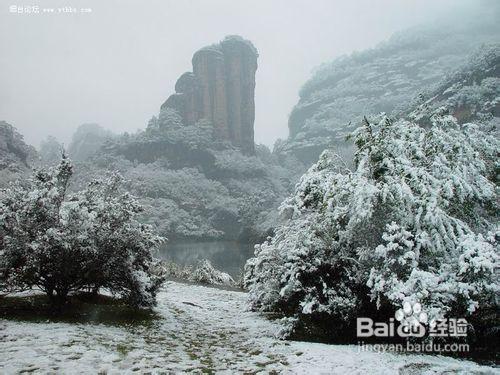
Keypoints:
pixel 412 321
pixel 411 314
pixel 408 321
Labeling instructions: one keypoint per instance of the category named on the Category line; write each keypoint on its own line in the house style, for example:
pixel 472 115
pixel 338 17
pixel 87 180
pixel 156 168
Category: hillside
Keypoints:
pixel 16 157
pixel 195 166
pixel 394 77
pixel 193 185
pixel 471 93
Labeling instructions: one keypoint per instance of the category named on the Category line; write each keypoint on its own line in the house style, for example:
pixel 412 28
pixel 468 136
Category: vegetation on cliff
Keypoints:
pixel 194 185
pixel 394 77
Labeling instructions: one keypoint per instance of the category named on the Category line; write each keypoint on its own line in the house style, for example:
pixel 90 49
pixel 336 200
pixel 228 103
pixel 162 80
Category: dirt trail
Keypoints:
pixel 199 330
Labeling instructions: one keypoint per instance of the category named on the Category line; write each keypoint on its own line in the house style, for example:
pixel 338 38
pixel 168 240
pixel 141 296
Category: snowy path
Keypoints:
pixel 201 330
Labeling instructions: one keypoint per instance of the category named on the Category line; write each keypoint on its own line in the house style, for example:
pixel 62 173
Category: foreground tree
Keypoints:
pixel 64 243
pixel 415 221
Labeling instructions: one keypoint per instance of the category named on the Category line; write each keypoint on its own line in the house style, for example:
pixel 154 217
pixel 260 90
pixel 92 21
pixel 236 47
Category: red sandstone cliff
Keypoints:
pixel 221 89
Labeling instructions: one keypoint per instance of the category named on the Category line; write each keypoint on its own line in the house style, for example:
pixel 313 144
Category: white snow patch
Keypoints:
pixel 200 328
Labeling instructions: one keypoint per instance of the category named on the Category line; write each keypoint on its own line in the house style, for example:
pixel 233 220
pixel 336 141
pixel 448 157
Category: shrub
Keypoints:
pixel 415 221
pixel 64 243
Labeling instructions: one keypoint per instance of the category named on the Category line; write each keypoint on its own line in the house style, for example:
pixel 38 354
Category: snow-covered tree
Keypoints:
pixel 50 151
pixel 64 243
pixel 414 221
pixel 87 140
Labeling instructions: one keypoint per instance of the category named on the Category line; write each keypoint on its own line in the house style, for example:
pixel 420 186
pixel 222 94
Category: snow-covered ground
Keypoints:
pixel 201 329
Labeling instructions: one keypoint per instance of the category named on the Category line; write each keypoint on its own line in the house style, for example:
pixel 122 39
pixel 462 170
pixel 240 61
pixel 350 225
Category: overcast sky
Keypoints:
pixel 116 65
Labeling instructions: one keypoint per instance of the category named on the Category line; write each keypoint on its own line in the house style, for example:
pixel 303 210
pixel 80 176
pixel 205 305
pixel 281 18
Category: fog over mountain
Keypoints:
pixel 117 64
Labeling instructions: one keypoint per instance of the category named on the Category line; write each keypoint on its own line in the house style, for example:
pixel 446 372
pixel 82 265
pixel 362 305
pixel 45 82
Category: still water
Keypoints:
pixel 227 256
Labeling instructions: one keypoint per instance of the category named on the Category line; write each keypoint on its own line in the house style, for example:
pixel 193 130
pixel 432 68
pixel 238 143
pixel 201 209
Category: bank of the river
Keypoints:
pixel 226 256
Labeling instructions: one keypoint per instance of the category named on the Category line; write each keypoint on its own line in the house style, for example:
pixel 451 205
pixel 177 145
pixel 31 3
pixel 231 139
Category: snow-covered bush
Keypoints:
pixel 203 272
pixel 170 269
pixel 64 243
pixel 414 221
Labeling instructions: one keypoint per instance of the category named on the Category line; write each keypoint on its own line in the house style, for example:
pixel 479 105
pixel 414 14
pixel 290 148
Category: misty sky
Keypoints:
pixel 116 65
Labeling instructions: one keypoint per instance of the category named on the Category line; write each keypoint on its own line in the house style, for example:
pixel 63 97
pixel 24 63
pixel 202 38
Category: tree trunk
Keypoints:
pixel 95 291
pixel 58 300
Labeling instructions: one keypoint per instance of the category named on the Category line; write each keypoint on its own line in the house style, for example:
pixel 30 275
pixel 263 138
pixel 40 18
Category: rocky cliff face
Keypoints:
pixel 220 89
pixel 393 78
pixel 15 154
pixel 16 157
pixel 470 94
